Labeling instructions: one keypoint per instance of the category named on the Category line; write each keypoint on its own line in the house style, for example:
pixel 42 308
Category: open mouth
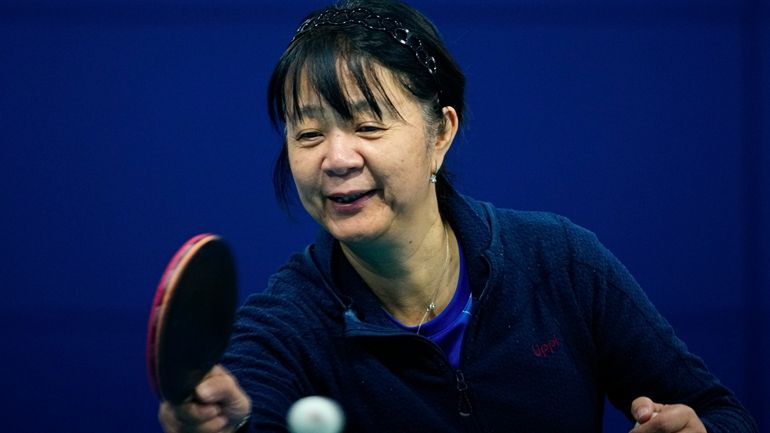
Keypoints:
pixel 350 198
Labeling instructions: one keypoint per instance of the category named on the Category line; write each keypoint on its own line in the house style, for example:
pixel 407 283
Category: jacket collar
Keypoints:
pixel 476 228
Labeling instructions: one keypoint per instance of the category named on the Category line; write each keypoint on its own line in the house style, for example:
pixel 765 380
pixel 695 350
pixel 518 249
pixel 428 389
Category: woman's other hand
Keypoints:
pixel 654 417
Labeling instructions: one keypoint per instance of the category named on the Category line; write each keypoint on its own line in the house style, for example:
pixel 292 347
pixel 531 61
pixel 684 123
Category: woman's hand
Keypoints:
pixel 654 417
pixel 220 406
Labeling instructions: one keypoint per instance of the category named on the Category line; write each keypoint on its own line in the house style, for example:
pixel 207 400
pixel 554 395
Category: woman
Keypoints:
pixel 417 308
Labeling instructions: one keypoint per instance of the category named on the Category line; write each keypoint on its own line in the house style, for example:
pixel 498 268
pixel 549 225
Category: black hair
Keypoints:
pixel 319 50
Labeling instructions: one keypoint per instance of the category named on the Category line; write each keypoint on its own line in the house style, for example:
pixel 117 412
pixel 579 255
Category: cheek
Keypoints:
pixel 297 165
pixel 304 176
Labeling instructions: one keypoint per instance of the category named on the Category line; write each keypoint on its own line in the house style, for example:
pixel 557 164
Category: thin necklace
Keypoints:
pixel 432 304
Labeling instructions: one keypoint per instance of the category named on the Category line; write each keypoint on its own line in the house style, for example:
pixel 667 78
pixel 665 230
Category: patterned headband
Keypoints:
pixel 367 18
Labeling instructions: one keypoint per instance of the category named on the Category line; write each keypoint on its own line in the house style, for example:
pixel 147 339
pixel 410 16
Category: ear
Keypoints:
pixel 445 136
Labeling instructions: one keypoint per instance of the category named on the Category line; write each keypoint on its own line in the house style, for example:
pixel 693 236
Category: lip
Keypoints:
pixel 355 205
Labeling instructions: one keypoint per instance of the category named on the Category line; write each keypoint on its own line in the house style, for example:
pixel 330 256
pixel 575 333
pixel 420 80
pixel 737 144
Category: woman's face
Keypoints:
pixel 367 179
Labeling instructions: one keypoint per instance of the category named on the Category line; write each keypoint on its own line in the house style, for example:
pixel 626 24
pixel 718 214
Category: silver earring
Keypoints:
pixel 433 178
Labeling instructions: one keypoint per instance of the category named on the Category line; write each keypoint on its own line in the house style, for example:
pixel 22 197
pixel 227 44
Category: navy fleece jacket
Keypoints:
pixel 558 323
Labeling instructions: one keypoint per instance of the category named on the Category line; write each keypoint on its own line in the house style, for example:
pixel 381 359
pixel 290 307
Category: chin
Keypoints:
pixel 352 238
pixel 352 234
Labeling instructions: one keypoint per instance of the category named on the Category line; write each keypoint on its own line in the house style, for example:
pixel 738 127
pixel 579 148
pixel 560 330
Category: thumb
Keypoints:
pixel 642 409
pixel 221 388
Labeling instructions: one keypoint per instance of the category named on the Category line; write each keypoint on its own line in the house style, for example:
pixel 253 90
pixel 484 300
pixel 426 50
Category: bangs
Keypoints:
pixel 330 67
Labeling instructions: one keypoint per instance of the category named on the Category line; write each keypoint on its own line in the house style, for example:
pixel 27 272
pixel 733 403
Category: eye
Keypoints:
pixel 308 135
pixel 308 138
pixel 369 129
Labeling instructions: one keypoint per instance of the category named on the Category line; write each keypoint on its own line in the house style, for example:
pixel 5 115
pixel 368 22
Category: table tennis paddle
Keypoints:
pixel 191 317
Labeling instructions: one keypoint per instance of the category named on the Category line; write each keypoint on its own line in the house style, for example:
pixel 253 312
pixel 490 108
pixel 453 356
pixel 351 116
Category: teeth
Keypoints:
pixel 348 198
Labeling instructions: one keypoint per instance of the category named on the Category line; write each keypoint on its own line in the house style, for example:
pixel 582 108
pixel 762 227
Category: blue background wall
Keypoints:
pixel 126 127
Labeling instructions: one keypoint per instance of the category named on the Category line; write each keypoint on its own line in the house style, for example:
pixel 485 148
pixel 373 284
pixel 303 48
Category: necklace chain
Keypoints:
pixel 431 307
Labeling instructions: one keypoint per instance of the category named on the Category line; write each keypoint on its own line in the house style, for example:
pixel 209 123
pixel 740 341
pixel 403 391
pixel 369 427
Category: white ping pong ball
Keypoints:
pixel 315 414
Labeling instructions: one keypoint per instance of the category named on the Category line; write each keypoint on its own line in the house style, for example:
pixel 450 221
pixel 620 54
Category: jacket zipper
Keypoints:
pixel 464 407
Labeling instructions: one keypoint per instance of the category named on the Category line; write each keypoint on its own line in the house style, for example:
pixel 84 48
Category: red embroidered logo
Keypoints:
pixel 545 349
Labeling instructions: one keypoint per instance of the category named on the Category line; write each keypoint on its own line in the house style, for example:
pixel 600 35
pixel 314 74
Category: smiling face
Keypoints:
pixel 366 179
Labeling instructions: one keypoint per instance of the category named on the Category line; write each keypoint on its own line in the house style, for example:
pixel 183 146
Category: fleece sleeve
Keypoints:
pixel 267 355
pixel 638 351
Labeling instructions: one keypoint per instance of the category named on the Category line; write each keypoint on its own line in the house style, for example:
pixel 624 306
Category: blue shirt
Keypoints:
pixel 448 328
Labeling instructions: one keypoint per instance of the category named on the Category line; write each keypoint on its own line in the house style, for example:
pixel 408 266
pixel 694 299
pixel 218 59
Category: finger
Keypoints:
pixel 167 418
pixel 675 418
pixel 671 419
pixel 649 426
pixel 217 386
pixel 196 413
pixel 643 408
pixel 214 425
pixel 222 388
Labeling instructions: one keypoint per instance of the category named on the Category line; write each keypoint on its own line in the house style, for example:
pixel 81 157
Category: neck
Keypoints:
pixel 408 276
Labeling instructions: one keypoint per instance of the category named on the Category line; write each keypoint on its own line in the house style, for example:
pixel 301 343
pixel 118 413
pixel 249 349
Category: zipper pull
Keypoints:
pixel 464 403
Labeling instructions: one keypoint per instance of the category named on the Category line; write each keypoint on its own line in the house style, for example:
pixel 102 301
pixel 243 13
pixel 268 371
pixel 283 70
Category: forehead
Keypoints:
pixel 363 88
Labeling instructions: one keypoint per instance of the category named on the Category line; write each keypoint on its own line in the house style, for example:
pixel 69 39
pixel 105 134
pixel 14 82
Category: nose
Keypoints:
pixel 342 157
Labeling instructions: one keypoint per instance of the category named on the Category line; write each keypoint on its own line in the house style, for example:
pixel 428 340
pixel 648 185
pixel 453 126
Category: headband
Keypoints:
pixel 372 21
